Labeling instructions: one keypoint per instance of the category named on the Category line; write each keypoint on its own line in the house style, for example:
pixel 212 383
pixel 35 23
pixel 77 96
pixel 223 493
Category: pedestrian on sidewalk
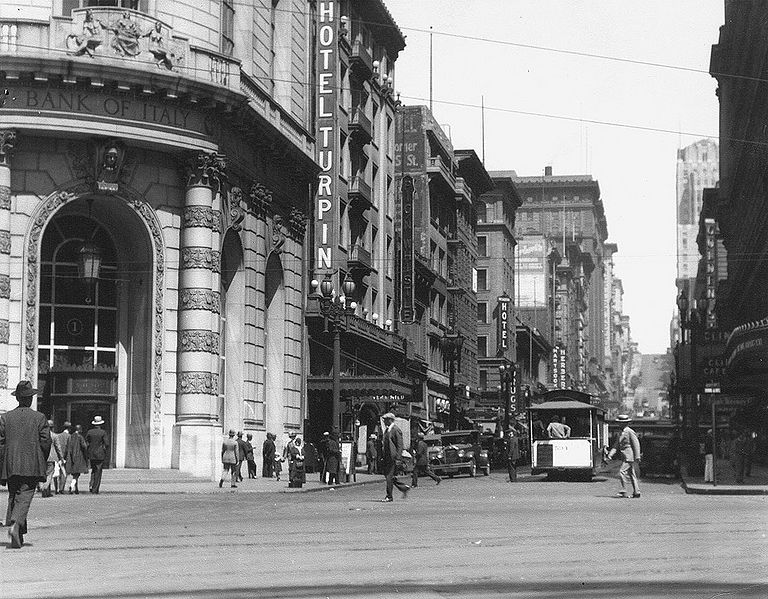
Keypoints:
pixel 278 466
pixel 77 461
pixel 51 481
pixel 628 445
pixel 229 451
pixel 392 451
pixel 513 454
pixel 98 450
pixel 372 455
pixel 709 457
pixel 324 456
pixel 421 466
pixel 25 442
pixel 739 455
pixel 63 439
pixel 242 452
pixel 268 456
pixel 249 456
pixel 333 460
pixel 296 474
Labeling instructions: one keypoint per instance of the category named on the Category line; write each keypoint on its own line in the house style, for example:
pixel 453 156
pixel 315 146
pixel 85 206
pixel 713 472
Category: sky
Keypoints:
pixel 635 166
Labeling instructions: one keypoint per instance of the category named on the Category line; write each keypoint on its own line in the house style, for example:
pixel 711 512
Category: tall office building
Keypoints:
pixel 697 169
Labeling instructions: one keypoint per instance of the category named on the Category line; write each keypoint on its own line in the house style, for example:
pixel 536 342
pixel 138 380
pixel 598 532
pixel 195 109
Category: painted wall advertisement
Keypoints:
pixel 531 263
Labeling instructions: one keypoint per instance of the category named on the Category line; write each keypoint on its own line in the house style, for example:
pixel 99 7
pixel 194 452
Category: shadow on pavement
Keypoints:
pixel 591 589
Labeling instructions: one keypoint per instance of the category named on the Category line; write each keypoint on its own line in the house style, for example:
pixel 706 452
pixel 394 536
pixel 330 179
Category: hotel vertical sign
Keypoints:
pixel 407 313
pixel 326 208
pixel 502 334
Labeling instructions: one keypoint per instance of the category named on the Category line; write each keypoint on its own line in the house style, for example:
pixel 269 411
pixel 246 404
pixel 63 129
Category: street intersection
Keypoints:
pixel 480 537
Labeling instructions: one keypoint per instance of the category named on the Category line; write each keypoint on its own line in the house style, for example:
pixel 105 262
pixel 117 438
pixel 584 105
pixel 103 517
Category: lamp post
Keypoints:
pixel 452 342
pixel 507 376
pixel 336 312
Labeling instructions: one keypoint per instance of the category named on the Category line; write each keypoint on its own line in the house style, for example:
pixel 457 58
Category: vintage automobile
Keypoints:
pixel 460 451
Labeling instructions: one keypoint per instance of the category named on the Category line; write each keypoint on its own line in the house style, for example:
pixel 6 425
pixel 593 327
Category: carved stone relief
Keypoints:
pixel 205 168
pixel 206 383
pixel 5 242
pixel 201 258
pixel 7 141
pixel 201 216
pixel 197 340
pixel 236 212
pixel 5 331
pixel 200 299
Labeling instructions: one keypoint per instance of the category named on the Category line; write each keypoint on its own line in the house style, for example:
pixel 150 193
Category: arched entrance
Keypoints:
pixel 274 346
pixel 232 331
pixel 94 335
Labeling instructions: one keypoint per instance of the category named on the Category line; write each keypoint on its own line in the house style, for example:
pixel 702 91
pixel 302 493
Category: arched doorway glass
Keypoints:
pixel 232 336
pixel 78 324
pixel 274 346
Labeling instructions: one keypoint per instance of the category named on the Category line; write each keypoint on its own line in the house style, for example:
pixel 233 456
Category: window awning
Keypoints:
pixel 388 386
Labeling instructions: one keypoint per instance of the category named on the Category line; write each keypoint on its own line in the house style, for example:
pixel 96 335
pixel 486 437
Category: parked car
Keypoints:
pixel 460 451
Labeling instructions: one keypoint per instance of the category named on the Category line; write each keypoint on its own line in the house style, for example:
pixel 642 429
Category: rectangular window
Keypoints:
pixel 227 27
pixel 482 346
pixel 390 258
pixel 482 279
pixel 482 312
pixel 482 246
pixel 374 249
pixel 483 379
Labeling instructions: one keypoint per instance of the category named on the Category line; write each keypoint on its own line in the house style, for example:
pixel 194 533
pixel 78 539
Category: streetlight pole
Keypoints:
pixel 452 343
pixel 336 312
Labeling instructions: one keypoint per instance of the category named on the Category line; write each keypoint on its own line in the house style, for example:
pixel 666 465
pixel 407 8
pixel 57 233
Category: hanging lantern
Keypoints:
pixel 89 262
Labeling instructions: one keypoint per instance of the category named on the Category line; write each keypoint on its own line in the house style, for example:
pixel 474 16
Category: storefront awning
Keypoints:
pixel 747 349
pixel 392 387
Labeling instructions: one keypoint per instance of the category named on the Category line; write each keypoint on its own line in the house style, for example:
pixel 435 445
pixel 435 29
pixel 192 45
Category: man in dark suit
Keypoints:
pixel 25 443
pixel 268 456
pixel 422 468
pixel 392 452
pixel 242 453
pixel 513 454
pixel 249 456
pixel 98 449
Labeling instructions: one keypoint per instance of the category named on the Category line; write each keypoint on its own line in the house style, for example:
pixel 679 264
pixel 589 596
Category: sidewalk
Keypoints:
pixel 757 484
pixel 134 481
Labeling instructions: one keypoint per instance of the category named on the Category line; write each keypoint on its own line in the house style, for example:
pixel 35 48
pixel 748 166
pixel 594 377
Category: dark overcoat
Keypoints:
pixel 98 444
pixel 25 442
pixel 393 445
pixel 77 462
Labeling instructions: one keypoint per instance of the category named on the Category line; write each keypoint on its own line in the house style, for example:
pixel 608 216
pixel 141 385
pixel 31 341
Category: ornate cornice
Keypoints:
pixel 206 169
pixel 206 383
pixel 202 216
pixel 201 258
pixel 5 331
pixel 200 299
pixel 199 340
pixel 7 142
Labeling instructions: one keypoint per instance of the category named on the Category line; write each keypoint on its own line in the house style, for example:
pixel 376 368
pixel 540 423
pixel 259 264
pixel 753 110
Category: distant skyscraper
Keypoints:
pixel 697 169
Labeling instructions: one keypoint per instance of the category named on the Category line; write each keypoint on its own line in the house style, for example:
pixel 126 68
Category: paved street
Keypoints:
pixel 478 538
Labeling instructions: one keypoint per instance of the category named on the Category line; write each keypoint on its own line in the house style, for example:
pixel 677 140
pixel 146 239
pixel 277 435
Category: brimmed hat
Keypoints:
pixel 623 418
pixel 388 415
pixel 97 421
pixel 24 389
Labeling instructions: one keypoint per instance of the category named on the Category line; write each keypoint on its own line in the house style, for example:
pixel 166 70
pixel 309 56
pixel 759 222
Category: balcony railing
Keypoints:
pixel 436 166
pixel 360 191
pixel 67 37
pixel 359 257
pixel 462 190
pixel 360 124
pixel 361 59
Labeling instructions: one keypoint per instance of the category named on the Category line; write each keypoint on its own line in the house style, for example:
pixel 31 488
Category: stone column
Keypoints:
pixel 7 140
pixel 198 429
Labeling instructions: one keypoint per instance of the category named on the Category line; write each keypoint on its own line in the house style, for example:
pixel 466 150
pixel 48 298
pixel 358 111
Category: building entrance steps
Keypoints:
pixel 755 484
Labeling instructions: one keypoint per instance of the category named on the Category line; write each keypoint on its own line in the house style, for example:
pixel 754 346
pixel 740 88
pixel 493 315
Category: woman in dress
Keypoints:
pixel 76 456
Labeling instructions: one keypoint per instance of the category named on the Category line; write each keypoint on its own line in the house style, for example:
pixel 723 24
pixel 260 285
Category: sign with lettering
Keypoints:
pixel 327 203
pixel 109 107
pixel 558 368
pixel 503 323
pixel 710 258
pixel 407 311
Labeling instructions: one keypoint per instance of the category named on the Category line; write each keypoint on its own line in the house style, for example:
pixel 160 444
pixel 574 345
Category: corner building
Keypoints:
pixel 155 172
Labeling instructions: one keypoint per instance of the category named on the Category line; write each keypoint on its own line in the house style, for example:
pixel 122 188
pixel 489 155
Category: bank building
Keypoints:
pixel 156 170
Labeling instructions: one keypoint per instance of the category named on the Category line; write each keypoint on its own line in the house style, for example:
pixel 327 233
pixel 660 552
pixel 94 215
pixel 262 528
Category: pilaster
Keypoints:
pixel 7 142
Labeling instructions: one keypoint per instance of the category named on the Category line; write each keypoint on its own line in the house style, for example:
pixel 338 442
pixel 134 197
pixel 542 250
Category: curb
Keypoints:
pixel 724 490
pixel 216 491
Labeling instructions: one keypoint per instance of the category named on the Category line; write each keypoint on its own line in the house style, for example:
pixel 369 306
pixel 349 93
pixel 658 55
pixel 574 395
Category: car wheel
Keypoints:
pixel 487 471
pixel 472 469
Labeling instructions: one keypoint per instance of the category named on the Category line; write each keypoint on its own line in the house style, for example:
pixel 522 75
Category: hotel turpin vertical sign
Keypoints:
pixel 326 208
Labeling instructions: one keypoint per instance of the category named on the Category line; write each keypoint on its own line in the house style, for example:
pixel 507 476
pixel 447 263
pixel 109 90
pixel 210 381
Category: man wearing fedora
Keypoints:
pixel 629 447
pixel 392 453
pixel 25 443
pixel 98 450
